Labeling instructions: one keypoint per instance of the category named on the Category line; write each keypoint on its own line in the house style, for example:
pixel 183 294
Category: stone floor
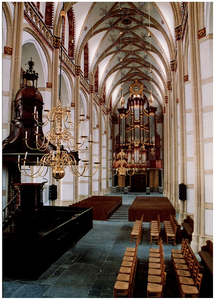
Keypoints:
pixel 89 269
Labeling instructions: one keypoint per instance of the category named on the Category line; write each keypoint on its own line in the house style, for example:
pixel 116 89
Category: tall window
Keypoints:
pixel 71 21
pixel 86 61
pixel 96 83
pixel 104 94
pixel 49 13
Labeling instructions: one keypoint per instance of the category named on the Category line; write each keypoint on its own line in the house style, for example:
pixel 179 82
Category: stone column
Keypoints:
pixel 197 126
pixel 167 147
pixel 90 191
pixel 182 129
pixel 76 130
pixel 100 147
pixel 113 134
pixel 107 152
pixel 170 145
pixel 164 152
pixel 175 139
pixel 55 73
pixel 16 53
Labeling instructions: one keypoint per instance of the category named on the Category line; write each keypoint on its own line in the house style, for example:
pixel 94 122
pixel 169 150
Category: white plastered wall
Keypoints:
pixel 206 59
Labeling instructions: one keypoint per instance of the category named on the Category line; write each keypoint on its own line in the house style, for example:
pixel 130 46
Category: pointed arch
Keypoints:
pixel 28 29
pixel 9 21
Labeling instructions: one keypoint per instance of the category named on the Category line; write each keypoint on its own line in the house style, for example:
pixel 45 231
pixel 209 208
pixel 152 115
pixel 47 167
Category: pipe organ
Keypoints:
pixel 138 139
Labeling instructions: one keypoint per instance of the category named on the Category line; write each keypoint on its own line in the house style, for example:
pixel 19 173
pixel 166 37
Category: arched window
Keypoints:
pixel 49 13
pixel 86 61
pixel 96 83
pixel 71 21
pixel 104 94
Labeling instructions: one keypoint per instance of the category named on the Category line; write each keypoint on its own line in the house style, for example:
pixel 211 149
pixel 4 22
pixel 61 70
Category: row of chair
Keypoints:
pixel 136 233
pixel 187 270
pixel 170 230
pixel 156 272
pixel 155 230
pixel 124 285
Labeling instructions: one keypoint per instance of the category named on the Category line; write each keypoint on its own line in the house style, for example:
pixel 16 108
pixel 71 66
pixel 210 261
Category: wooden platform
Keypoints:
pixel 151 207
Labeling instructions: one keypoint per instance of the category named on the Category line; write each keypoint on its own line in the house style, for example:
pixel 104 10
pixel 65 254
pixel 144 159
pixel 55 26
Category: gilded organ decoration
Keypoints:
pixel 136 89
pixel 138 135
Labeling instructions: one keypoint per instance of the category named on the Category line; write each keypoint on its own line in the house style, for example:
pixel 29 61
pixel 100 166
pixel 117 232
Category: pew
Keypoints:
pixel 188 224
pixel 103 206
pixel 206 254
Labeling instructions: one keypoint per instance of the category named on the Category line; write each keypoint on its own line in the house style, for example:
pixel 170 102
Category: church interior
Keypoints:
pixel 107 149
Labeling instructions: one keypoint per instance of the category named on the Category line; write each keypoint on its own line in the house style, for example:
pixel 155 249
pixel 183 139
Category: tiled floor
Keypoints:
pixel 89 269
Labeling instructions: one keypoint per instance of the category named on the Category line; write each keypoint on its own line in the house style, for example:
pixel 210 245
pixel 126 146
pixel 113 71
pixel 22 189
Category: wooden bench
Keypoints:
pixel 178 231
pixel 206 255
pixel 188 227
pixel 103 206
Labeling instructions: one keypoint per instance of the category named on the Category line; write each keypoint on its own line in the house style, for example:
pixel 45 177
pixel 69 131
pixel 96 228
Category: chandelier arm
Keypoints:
pixel 76 125
pixel 69 144
pixel 78 147
pixel 20 170
pixel 73 172
pixel 44 146
pixel 26 143
pixel 34 175
pixel 97 166
pixel 40 124
pixel 49 117
pixel 71 161
pixel 90 145
pixel 41 147
pixel 76 170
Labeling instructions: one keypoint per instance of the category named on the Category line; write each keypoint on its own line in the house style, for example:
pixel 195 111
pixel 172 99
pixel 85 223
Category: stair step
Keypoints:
pixel 121 214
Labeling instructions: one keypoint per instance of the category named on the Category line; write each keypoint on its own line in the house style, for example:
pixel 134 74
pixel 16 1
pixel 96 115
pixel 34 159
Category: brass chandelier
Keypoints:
pixel 59 135
pixel 58 159
pixel 129 163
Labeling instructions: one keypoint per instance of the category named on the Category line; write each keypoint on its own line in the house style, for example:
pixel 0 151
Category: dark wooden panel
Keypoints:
pixel 138 183
pixel 28 255
pixel 150 207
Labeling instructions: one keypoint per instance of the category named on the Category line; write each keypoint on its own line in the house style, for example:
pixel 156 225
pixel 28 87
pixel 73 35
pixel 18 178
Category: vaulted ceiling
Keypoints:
pixel 128 41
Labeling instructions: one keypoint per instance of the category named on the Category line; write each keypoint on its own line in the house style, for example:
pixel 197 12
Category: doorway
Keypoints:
pixel 138 183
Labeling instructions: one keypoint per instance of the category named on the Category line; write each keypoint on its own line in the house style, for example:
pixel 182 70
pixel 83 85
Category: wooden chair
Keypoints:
pixel 124 277
pixel 126 263
pixel 183 266
pixel 156 265
pixel 156 259
pixel 121 288
pixel 155 290
pixel 189 280
pixel 190 290
pixel 179 254
pixel 136 232
pixel 157 278
pixel 129 258
pixel 186 273
pixel 179 260
pixel 171 235
pixel 156 250
pixel 155 231
pixel 157 254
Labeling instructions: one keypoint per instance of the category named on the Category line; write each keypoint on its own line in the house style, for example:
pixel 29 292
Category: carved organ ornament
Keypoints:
pixel 137 146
